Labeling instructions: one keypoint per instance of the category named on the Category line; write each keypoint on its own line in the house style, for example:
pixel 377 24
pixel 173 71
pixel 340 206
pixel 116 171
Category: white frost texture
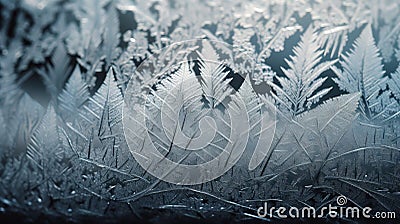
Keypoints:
pixel 109 107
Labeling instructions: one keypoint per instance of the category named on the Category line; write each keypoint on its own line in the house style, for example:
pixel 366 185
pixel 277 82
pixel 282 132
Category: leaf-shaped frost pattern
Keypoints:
pixel 75 94
pixel 109 101
pixel 335 20
pixel 332 118
pixel 106 137
pixel 182 91
pixel 313 138
pixel 213 77
pixel 47 142
pixel 300 88
pixel 363 72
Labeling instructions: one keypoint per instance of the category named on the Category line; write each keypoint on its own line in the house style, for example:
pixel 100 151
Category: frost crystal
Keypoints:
pixel 300 99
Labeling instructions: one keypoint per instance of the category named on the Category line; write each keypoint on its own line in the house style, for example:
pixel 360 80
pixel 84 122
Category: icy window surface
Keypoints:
pixel 201 78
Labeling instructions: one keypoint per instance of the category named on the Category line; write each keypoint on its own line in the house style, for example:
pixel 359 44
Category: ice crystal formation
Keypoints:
pixel 330 68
